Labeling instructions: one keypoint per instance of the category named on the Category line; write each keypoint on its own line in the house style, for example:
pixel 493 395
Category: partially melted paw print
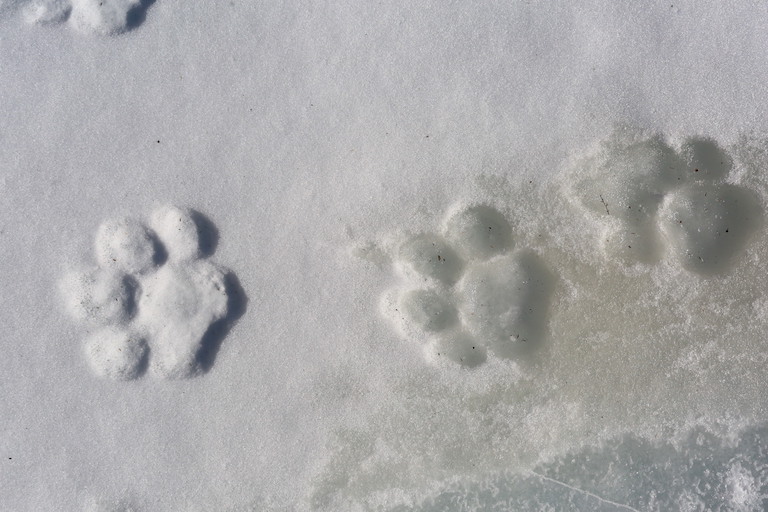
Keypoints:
pixel 467 292
pixel 98 17
pixel 651 199
pixel 152 298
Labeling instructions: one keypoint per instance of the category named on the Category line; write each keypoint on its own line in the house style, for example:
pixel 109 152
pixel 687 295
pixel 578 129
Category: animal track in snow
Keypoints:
pixel 154 300
pixel 468 291
pixel 100 17
pixel 650 198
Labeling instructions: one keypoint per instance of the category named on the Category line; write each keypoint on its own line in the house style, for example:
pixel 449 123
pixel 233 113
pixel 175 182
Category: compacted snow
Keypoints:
pixel 352 256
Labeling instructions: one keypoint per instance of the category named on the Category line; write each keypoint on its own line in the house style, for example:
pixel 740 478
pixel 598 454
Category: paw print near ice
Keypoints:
pixel 468 291
pixel 650 200
pixel 151 300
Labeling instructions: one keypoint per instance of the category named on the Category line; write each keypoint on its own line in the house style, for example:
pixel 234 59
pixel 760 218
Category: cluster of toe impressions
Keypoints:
pixel 154 301
pixel 470 293
pixel 467 291
pixel 652 200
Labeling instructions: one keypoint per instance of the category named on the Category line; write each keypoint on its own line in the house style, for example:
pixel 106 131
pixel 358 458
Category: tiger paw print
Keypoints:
pixel 152 298
pixel 467 292
pixel 651 200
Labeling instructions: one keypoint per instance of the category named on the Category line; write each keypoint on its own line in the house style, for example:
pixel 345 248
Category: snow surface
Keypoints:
pixel 320 153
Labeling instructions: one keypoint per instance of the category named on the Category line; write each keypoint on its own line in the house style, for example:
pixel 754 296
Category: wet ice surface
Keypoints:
pixel 660 345
pixel 701 472
pixel 651 200
pixel 468 292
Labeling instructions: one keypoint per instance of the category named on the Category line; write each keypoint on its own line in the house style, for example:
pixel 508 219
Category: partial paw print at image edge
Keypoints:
pixel 154 301
pixel 469 292
pixel 97 17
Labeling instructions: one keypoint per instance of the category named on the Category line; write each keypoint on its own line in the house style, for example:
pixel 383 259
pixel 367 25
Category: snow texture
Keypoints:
pixel 314 133
pixel 700 472
pixel 46 12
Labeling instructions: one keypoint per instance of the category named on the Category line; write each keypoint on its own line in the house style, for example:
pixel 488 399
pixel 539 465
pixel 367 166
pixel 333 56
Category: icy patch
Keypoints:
pixel 651 200
pixel 467 291
pixel 430 258
pixel 97 17
pixel 617 340
pixel 705 227
pixel 479 232
pixel 699 473
pixel 153 296
pixel 505 303
pixel 428 310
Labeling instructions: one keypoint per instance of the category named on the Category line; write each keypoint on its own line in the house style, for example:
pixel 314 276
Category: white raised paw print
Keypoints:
pixel 469 292
pixel 154 300
pixel 652 199
pixel 100 17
